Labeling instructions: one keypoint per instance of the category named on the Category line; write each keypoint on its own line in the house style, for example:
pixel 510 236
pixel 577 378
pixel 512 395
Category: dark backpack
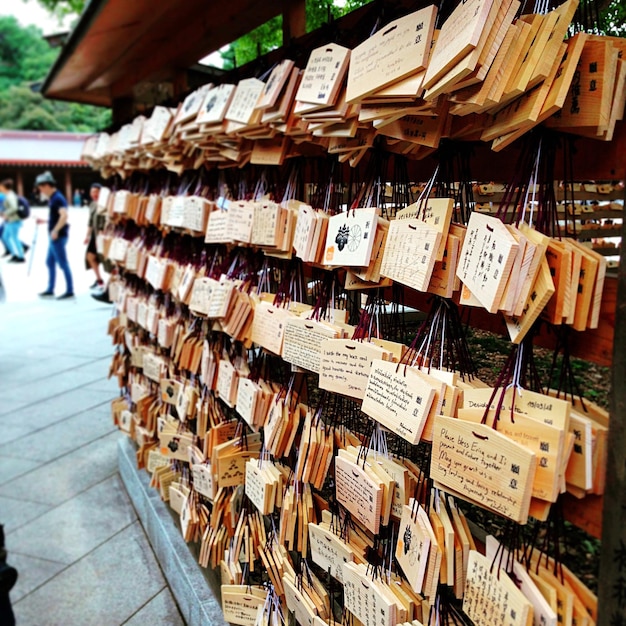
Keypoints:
pixel 23 208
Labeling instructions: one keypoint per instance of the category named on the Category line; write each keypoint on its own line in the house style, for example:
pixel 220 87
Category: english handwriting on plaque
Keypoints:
pixel 484 466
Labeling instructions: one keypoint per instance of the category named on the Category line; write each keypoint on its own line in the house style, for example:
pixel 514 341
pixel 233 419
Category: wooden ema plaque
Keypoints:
pixel 545 441
pixel 215 104
pixel 329 551
pixel 435 212
pixel 399 397
pixel 345 365
pixel 323 75
pixel 277 80
pixel 588 103
pixel 413 547
pixel 481 465
pixel 547 409
pixel 410 252
pixel 268 326
pixel 486 259
pixel 302 344
pixel 396 51
pixel 543 613
pixel 359 493
pixel 459 35
pixel 240 603
pixel 350 238
pixel 365 599
pixel 491 597
pixel 542 290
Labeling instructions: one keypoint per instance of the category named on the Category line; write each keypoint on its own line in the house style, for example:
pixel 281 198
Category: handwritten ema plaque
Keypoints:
pixel 486 259
pixel 398 397
pixel 491 598
pixel 345 365
pixel 359 493
pixel 394 52
pixel 481 465
pixel 323 75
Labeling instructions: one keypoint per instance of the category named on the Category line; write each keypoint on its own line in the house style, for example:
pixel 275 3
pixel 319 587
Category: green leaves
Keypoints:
pixel 269 36
pixel 25 58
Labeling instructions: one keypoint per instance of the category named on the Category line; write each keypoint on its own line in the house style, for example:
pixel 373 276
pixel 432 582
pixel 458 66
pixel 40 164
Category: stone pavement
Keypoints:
pixel 72 533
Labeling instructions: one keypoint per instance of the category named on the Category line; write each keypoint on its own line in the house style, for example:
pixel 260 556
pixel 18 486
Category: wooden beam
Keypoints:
pixel 294 20
pixel 123 110
pixel 216 25
pixel 612 581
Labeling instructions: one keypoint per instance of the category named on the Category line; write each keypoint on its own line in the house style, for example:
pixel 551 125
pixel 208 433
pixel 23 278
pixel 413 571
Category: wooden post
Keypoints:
pixel 612 580
pixel 123 110
pixel 294 20
pixel 19 183
pixel 68 186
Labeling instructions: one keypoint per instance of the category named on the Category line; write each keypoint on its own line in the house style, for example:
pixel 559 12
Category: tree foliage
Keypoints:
pixel 25 58
pixel 63 7
pixel 614 18
pixel 269 36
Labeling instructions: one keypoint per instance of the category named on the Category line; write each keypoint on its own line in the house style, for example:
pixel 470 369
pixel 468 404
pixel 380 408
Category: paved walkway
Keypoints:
pixel 72 533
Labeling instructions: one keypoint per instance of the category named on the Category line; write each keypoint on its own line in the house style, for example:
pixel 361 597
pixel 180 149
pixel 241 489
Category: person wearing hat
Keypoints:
pixel 58 228
pixel 94 226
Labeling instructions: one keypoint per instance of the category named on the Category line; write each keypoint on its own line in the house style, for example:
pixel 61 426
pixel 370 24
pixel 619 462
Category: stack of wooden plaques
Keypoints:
pixel 487 74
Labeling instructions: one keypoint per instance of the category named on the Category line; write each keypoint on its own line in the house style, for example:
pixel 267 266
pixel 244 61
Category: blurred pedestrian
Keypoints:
pixel 94 226
pixel 58 229
pixel 12 222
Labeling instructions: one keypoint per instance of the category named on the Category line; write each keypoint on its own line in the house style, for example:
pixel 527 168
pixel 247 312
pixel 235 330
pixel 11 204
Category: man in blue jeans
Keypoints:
pixel 59 230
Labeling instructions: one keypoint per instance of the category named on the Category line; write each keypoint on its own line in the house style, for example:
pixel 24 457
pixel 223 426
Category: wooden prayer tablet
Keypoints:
pixel 542 290
pixel 543 613
pixel 302 344
pixel 324 75
pixel 545 441
pixel 467 70
pixel 359 492
pixel 410 252
pixel 398 397
pixel 459 35
pixel 269 151
pixel 585 287
pixel 215 104
pixel 424 130
pixel 444 271
pixel 240 221
pixel 486 259
pixel 482 465
pixel 345 365
pixel 413 547
pixel 588 102
pixel 396 51
pixel 156 126
pixel 350 238
pixel 268 326
pixel 366 598
pixel 276 81
pixel 329 551
pixel 240 603
pixel 491 597
pixel 190 107
pixel 549 410
pixel 471 99
pixel 504 18
pixel 435 212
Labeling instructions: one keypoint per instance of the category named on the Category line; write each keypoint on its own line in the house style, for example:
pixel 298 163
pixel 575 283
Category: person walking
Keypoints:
pixel 94 226
pixel 12 222
pixel 58 229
